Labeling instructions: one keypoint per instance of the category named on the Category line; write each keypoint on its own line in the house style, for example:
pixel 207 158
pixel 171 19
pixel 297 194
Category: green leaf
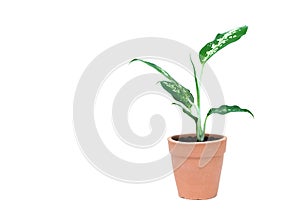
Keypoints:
pixel 187 112
pixel 159 69
pixel 225 109
pixel 178 92
pixel 220 41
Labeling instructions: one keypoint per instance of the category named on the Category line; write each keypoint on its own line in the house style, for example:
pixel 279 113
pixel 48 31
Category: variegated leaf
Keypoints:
pixel 220 41
pixel 179 93
pixel 225 109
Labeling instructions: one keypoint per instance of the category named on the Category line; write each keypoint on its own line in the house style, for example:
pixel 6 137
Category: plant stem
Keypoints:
pixel 201 73
pixel 199 131
pixel 196 82
pixel 198 121
pixel 204 127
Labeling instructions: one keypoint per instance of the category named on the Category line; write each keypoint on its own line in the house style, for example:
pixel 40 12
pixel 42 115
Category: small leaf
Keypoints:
pixel 159 69
pixel 187 112
pixel 225 109
pixel 178 92
pixel 220 41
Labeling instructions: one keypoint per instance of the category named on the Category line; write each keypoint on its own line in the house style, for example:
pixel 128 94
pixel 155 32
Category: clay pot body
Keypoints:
pixel 197 166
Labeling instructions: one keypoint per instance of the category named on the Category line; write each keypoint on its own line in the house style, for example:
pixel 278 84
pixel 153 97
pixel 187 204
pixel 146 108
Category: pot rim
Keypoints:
pixel 193 134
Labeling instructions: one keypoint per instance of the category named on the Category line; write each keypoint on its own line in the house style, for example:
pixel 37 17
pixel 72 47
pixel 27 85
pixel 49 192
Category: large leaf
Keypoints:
pixel 225 109
pixel 220 41
pixel 159 69
pixel 179 93
pixel 187 112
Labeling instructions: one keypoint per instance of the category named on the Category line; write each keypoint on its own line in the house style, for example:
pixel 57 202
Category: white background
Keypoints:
pixel 45 47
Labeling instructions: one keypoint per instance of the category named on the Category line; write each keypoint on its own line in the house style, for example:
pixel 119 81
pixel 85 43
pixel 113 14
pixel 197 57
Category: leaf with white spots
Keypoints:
pixel 225 109
pixel 179 93
pixel 220 41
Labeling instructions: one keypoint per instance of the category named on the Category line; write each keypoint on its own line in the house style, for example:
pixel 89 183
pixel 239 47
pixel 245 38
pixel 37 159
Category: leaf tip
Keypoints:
pixel 246 110
pixel 133 60
pixel 243 30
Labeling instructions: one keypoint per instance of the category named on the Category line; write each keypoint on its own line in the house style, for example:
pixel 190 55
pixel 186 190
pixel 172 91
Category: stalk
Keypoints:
pixel 200 132
pixel 198 121
pixel 204 127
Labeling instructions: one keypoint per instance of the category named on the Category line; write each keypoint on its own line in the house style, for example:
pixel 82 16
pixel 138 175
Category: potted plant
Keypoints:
pixel 197 158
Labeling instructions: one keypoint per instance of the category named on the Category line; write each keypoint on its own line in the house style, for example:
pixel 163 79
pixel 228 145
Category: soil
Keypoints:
pixel 194 138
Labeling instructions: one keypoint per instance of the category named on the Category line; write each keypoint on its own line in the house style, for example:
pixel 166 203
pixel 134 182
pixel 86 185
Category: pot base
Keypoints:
pixel 191 198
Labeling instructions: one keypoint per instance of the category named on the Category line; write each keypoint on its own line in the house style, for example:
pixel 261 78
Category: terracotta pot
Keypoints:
pixel 197 166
